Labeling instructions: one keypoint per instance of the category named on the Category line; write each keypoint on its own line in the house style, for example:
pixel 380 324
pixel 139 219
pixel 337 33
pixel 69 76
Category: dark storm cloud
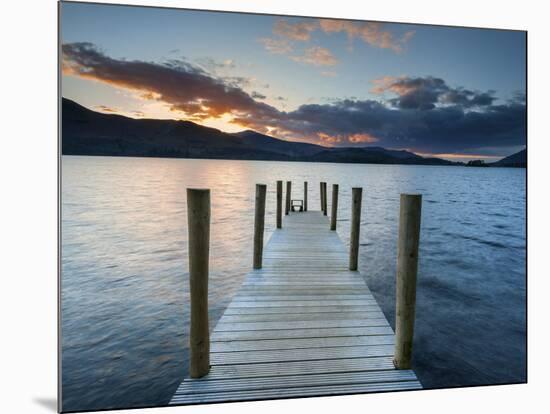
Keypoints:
pixel 426 93
pixel 424 114
pixel 467 98
pixel 439 130
pixel 417 93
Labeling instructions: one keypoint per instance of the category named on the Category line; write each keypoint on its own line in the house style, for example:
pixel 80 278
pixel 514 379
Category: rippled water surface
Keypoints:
pixel 125 299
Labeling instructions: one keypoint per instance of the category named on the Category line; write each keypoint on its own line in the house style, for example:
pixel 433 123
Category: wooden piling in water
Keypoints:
pixel 198 219
pixel 334 207
pixel 324 208
pixel 356 197
pixel 288 192
pixel 305 195
pixel 279 204
pixel 407 267
pixel 259 218
pixel 321 194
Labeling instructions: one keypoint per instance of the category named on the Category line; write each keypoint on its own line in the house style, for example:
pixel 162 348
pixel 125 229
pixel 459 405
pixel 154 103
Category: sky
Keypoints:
pixel 455 93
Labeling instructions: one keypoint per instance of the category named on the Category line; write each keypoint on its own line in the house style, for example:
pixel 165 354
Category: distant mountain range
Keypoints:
pixel 86 132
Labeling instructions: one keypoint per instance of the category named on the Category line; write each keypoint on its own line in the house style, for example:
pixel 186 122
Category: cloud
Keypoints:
pixel 372 33
pixel 257 95
pixel 181 85
pixel 362 138
pixel 426 114
pixel 348 139
pixel 286 34
pixel 214 65
pixel 300 31
pixel 236 81
pixel 426 93
pixel 329 139
pixel 276 46
pixel 221 70
pixel 443 129
pixel 467 98
pixel 317 56
pixel 329 73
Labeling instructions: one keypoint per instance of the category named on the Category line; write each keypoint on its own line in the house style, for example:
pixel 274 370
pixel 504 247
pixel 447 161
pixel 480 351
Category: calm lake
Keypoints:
pixel 125 288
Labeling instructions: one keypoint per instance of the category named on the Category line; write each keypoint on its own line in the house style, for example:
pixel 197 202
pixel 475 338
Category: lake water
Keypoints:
pixel 125 298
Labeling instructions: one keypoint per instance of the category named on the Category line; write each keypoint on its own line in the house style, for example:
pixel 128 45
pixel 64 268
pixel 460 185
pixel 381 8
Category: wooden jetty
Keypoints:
pixel 301 325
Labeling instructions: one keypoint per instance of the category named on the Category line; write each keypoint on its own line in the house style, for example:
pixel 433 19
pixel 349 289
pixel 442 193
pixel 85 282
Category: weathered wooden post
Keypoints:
pixel 407 266
pixel 287 208
pixel 324 207
pixel 305 195
pixel 279 204
pixel 321 194
pixel 326 199
pixel 334 207
pixel 356 197
pixel 198 223
pixel 259 217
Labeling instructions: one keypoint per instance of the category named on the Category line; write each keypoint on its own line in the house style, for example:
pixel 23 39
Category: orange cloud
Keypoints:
pixel 317 56
pixel 329 139
pixel 287 33
pixel 295 31
pixel 362 138
pixel 359 138
pixel 371 33
pixel 335 26
pixel 400 85
pixel 383 84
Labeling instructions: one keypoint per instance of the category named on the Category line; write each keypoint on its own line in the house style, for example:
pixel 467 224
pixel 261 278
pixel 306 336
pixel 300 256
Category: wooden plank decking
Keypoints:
pixel 303 325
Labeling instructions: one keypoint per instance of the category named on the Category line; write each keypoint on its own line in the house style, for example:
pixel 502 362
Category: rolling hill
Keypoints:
pixel 518 160
pixel 86 132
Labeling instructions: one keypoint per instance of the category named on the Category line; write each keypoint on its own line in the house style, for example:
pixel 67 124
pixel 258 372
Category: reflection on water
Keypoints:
pixel 125 281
